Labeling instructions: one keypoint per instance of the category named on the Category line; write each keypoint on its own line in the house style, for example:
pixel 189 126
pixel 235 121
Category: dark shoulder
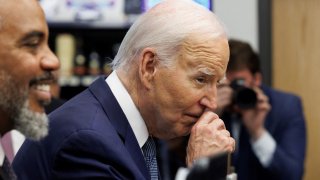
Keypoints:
pixel 281 97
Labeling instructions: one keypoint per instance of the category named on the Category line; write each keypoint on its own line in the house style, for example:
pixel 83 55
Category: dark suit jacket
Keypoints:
pixel 89 137
pixel 286 123
pixel 54 104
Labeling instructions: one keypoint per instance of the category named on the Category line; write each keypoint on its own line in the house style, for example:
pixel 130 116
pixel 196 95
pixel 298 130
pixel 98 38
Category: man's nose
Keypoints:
pixel 209 100
pixel 49 61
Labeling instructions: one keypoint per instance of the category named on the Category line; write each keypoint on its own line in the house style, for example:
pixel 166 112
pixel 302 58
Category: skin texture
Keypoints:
pixel 177 101
pixel 25 63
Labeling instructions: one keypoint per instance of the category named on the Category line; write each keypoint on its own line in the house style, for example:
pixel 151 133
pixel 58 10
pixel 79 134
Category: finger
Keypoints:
pixel 263 103
pixel 207 117
pixel 232 144
pixel 225 133
pixel 264 106
pixel 260 95
pixel 217 124
pixel 257 90
pixel 262 98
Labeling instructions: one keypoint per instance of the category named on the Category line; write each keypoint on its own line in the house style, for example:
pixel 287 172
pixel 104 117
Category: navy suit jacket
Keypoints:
pixel 286 124
pixel 89 137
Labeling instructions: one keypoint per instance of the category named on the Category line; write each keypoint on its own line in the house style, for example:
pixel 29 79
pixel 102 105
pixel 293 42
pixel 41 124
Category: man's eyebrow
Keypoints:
pixel 33 34
pixel 206 71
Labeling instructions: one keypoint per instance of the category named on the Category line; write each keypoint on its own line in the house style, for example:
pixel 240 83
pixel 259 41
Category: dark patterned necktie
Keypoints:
pixel 6 171
pixel 150 155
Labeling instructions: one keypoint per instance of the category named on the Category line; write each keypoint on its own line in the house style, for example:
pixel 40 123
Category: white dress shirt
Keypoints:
pixel 133 115
pixel 263 147
pixel 17 139
pixel 129 108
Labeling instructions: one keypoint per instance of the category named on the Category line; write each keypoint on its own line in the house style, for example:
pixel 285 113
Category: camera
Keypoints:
pixel 243 97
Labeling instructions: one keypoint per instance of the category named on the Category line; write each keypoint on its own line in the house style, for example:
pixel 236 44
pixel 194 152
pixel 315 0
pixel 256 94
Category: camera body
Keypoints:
pixel 243 97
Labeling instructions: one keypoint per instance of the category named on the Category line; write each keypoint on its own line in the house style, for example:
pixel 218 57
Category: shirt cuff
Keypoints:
pixel 182 173
pixel 264 148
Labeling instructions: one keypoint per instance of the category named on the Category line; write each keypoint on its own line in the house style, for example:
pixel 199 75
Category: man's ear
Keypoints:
pixel 257 77
pixel 147 66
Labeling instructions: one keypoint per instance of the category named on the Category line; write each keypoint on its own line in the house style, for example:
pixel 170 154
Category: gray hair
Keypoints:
pixel 164 28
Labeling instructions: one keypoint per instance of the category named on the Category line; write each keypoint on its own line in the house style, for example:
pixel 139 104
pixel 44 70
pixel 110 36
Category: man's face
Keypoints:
pixel 26 63
pixel 181 94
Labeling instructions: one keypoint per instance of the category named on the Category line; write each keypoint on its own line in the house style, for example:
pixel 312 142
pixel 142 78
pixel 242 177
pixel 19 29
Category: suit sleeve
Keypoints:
pixel 84 155
pixel 289 155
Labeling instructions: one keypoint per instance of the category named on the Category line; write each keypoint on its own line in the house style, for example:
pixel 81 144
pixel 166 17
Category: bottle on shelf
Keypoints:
pixel 79 63
pixel 94 64
pixel 65 49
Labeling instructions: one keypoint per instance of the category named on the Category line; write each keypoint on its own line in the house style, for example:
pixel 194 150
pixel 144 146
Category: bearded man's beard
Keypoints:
pixel 14 102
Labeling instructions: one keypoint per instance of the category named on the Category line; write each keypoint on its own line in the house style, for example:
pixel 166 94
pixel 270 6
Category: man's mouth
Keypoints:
pixel 46 79
pixel 42 93
pixel 194 117
pixel 43 87
pixel 40 88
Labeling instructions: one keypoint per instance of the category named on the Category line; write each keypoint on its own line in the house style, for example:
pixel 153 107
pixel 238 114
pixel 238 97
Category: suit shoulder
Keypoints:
pixel 282 96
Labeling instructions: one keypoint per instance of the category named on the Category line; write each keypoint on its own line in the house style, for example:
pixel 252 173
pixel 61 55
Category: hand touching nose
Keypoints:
pixel 208 137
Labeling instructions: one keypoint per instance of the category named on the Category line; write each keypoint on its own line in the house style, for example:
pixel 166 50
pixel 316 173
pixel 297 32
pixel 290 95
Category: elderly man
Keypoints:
pixel 26 63
pixel 163 86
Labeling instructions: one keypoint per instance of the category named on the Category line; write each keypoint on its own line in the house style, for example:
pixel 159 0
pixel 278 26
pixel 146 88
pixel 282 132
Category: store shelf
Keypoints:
pixel 75 81
pixel 91 24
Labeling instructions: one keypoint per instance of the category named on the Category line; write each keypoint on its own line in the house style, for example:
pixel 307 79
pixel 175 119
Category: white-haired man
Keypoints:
pixel 163 86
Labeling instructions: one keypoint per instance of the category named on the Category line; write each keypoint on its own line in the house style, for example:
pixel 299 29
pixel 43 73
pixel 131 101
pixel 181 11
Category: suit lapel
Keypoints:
pixel 136 153
pixel 104 95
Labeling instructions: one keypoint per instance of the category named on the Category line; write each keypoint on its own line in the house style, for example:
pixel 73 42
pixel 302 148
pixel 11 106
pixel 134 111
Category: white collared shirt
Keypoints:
pixel 264 147
pixel 17 140
pixel 133 115
pixel 129 108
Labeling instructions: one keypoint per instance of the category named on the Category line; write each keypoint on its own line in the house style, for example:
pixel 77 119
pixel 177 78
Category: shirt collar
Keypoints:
pixel 2 154
pixel 129 108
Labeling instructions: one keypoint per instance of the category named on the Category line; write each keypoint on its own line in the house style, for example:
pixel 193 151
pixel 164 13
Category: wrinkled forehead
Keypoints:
pixel 200 47
pixel 203 55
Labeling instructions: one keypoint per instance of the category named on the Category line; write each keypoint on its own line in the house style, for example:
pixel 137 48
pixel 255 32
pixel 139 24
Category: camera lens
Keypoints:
pixel 243 97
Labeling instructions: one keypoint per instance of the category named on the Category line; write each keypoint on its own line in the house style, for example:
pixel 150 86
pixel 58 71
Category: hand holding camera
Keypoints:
pixel 254 118
pixel 250 103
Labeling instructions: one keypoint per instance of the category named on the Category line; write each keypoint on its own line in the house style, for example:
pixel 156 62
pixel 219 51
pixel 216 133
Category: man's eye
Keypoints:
pixel 32 43
pixel 201 80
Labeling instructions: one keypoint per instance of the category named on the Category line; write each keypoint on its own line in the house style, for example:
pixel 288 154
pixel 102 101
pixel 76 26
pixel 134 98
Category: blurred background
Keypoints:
pixel 86 34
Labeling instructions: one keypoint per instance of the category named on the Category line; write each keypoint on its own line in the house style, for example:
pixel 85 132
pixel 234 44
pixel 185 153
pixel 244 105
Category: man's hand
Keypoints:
pixel 208 137
pixel 253 119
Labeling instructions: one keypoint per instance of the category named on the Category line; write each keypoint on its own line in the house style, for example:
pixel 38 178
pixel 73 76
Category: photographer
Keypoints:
pixel 269 129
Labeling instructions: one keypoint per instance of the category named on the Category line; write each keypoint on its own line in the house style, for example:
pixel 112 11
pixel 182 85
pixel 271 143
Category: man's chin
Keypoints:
pixel 33 125
pixel 38 106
